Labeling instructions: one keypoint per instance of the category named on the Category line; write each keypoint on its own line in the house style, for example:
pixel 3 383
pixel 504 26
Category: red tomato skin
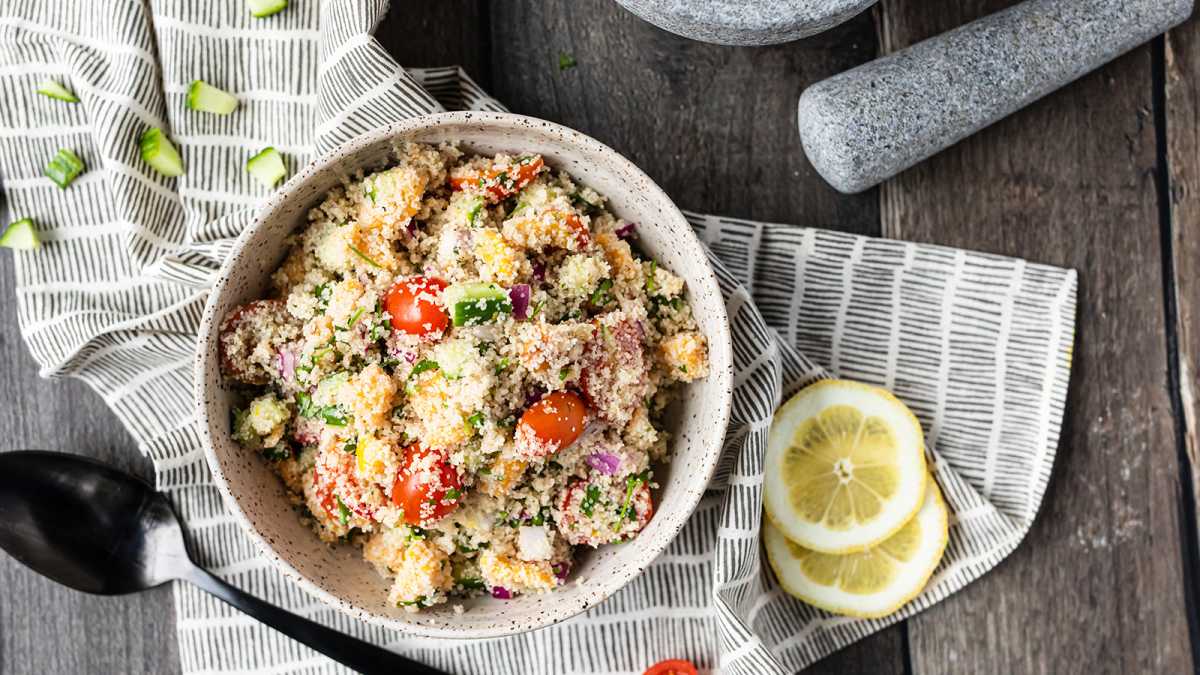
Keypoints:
pixel 412 489
pixel 672 667
pixel 412 310
pixel 553 423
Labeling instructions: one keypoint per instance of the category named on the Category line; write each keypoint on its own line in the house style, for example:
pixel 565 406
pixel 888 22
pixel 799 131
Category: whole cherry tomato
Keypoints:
pixel 428 487
pixel 672 667
pixel 414 307
pixel 551 424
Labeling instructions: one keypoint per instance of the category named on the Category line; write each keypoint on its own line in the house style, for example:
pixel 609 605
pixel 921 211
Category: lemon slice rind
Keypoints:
pixel 910 579
pixel 870 401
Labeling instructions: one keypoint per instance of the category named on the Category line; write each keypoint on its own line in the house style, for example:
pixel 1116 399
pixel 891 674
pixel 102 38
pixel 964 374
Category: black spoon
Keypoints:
pixel 99 530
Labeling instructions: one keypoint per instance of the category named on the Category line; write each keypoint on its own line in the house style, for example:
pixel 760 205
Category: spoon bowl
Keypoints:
pixel 99 530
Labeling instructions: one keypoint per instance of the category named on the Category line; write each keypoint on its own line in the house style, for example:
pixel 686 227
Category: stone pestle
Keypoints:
pixel 867 124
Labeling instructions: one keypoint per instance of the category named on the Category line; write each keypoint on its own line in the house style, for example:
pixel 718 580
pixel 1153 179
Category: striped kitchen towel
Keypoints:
pixel 978 345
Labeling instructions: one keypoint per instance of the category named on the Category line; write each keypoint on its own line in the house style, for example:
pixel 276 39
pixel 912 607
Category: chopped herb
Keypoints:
pixel 362 255
pixel 651 285
pixel 418 603
pixel 626 511
pixel 451 495
pixel 601 296
pixel 473 214
pixel 502 365
pixel 540 518
pixel 476 420
pixel 422 366
pixel 566 61
pixel 415 532
pixel 350 445
pixel 590 497
pixel 278 453
pixel 562 374
pixel 371 193
pixel 333 415
pixel 343 512
pixel 537 309
pixel 353 319
pixel 517 209
pixel 471 583
pixel 683 368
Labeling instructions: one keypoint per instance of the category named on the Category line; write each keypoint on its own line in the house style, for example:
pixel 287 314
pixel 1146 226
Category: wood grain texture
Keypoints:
pixel 44 627
pixel 1179 194
pixel 1096 586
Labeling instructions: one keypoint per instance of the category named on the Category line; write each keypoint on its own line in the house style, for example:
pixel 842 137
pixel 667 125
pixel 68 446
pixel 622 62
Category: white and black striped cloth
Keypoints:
pixel 979 346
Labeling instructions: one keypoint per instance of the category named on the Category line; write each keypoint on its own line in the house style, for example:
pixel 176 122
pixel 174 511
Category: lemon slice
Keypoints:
pixel 845 467
pixel 871 583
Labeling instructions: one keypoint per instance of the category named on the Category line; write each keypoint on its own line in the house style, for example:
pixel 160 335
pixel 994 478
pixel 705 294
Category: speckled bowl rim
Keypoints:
pixel 554 612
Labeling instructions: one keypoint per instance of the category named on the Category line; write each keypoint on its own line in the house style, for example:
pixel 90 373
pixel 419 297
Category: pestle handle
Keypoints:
pixel 867 124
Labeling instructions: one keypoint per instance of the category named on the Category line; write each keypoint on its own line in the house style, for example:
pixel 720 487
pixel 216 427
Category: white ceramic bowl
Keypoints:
pixel 338 575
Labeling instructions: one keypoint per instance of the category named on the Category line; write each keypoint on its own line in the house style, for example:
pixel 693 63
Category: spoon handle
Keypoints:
pixel 361 656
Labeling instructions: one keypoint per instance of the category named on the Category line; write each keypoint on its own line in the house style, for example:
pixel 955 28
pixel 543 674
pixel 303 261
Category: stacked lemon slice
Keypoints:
pixel 855 524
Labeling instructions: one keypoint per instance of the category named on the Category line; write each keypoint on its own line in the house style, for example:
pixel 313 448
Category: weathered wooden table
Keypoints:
pixel 1102 177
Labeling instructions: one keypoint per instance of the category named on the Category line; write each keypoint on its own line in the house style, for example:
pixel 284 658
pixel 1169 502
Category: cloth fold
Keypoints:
pixel 979 346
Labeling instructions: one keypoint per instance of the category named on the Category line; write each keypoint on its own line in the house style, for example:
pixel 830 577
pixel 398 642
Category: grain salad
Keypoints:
pixel 463 368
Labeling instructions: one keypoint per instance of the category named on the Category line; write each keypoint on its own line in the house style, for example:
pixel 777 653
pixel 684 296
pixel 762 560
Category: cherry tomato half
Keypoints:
pixel 427 489
pixel 413 305
pixel 671 667
pixel 551 424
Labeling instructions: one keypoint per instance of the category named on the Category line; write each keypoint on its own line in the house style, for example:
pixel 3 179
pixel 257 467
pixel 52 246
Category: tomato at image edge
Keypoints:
pixel 672 667
pixel 412 313
pixel 410 492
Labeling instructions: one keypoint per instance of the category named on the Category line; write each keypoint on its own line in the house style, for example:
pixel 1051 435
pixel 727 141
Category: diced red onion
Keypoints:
pixel 411 228
pixel 626 231
pixel 501 593
pixel 519 295
pixel 533 396
pixel 604 462
pixel 287 364
pixel 539 271
pixel 561 569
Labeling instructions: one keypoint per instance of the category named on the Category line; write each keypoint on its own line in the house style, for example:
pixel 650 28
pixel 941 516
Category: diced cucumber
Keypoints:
pixel 327 389
pixel 267 166
pixel 64 168
pixel 54 90
pixel 452 357
pixel 477 303
pixel 21 235
pixel 204 97
pixel 263 8
pixel 160 153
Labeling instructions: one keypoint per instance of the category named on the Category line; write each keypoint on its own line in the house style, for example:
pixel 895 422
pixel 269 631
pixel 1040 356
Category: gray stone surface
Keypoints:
pixel 870 123
pixel 746 22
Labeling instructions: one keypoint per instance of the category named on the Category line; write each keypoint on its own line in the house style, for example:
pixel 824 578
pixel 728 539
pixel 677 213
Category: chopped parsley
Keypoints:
pixel 566 61
pixel 473 214
pixel 362 255
pixel 601 296
pixel 333 415
pixel 471 583
pixel 343 512
pixel 590 497
pixel 419 603
pixel 353 319
pixel 651 285
pixel 502 365
pixel 350 445
pixel 422 366
pixel 476 420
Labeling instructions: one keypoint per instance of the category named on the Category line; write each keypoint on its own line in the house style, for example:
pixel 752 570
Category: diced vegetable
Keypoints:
pixel 519 295
pixel 64 168
pixel 54 90
pixel 265 8
pixel 267 166
pixel 21 235
pixel 566 61
pixel 472 304
pixel 160 153
pixel 204 97
pixel 453 356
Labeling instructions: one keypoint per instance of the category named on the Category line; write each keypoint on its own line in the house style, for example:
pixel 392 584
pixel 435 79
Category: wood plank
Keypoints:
pixel 714 126
pixel 1096 586
pixel 44 627
pixel 1180 117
